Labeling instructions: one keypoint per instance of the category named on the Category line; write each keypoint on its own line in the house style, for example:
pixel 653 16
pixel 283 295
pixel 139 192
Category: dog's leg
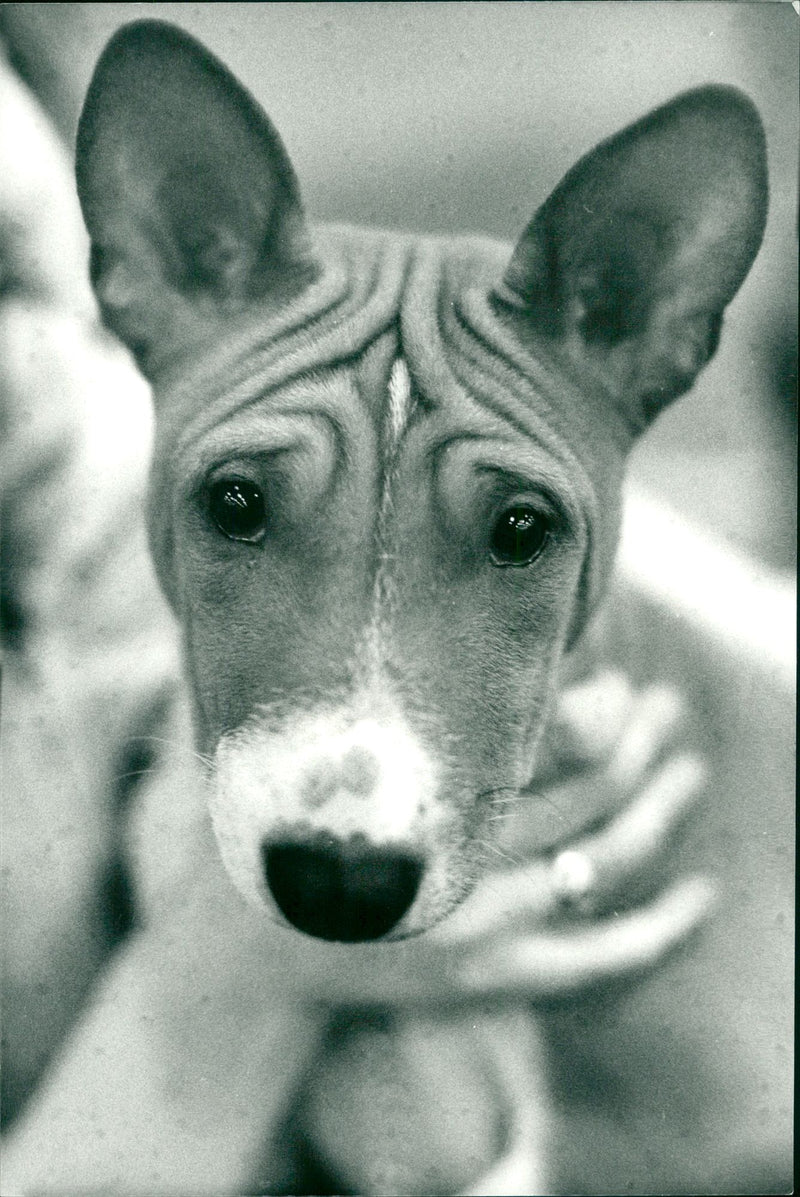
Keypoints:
pixel 468 1111
pixel 433 1103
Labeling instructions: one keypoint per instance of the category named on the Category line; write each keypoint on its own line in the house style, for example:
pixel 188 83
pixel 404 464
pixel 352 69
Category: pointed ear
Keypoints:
pixel 188 195
pixel 631 262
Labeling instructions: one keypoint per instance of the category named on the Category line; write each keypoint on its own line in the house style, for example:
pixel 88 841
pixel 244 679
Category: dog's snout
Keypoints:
pixel 343 890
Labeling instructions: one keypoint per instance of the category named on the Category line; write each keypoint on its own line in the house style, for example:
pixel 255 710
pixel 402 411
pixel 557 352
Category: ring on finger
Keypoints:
pixel 574 877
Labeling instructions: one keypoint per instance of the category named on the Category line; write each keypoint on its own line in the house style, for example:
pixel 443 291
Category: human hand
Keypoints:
pixel 537 919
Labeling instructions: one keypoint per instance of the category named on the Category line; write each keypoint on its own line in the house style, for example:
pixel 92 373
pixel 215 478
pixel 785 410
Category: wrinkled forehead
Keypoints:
pixel 380 296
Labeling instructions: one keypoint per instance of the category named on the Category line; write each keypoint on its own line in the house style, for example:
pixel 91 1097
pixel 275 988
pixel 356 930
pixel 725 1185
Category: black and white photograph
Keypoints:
pixel 398 437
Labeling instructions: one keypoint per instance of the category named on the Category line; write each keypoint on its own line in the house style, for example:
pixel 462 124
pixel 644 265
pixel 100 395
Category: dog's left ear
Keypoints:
pixel 630 263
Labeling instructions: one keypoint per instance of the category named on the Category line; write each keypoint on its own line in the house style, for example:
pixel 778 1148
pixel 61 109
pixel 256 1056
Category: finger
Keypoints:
pixel 600 865
pixel 591 716
pixel 546 965
pixel 656 714
pixel 586 726
pixel 571 793
pixel 640 833
pixel 500 899
pixel 592 867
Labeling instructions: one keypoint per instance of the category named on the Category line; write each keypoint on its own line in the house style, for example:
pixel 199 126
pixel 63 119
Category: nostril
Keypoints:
pixel 341 890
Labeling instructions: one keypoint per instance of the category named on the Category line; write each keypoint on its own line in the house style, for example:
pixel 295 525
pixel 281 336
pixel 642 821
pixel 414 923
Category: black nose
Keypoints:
pixel 341 889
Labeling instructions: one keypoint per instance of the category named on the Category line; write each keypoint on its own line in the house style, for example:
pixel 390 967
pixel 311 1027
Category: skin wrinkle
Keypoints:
pixel 600 534
pixel 480 353
pixel 490 363
pixel 257 448
pixel 359 304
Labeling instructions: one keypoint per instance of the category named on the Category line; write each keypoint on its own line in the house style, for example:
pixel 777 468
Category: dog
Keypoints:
pixel 384 502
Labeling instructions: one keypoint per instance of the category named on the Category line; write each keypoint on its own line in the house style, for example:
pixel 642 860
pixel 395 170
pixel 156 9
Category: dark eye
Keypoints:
pixel 519 536
pixel 237 508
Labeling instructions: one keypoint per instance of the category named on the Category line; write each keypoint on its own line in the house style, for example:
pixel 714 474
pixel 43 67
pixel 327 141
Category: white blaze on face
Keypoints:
pixel 329 773
pixel 399 402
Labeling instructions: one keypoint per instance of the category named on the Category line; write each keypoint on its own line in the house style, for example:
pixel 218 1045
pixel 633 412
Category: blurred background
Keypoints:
pixel 456 116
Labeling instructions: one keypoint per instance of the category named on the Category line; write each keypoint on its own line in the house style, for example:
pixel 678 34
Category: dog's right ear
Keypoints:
pixel 187 192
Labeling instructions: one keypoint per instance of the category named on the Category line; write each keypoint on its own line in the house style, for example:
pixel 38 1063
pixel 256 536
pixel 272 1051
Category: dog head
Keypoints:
pixel 387 469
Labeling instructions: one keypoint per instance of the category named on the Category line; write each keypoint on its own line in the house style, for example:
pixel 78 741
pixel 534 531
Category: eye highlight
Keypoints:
pixel 237 507
pixel 519 536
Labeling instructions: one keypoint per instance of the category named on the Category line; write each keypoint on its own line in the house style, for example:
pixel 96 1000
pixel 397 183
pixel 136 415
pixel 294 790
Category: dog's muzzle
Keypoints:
pixel 343 890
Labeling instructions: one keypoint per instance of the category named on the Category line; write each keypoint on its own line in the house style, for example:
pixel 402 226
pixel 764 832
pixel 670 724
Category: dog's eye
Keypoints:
pixel 237 508
pixel 519 536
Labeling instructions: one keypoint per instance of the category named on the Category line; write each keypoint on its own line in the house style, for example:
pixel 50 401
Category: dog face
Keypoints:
pixel 355 632
pixel 386 481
